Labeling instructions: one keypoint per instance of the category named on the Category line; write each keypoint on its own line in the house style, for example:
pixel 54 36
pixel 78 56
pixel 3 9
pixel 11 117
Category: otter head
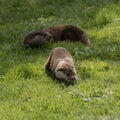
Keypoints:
pixel 37 38
pixel 44 37
pixel 85 39
pixel 66 71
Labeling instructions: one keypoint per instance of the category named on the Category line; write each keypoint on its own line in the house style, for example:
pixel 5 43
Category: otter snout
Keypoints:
pixel 73 79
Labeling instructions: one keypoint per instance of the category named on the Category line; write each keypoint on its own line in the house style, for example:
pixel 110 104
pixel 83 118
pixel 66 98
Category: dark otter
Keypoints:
pixel 69 32
pixel 37 38
pixel 54 34
pixel 61 64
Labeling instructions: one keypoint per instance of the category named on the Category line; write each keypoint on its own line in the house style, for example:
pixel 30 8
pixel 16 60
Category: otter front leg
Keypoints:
pixel 47 64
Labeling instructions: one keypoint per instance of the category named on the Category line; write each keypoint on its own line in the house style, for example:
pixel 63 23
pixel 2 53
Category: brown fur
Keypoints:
pixel 68 32
pixel 60 61
pixel 37 38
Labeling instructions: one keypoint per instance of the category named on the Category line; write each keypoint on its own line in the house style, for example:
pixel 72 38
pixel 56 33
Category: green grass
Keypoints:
pixel 28 93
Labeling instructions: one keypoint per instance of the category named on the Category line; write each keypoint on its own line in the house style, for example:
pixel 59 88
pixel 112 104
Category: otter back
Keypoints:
pixel 69 32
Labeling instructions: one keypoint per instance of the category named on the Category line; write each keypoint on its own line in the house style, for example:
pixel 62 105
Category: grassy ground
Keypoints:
pixel 28 93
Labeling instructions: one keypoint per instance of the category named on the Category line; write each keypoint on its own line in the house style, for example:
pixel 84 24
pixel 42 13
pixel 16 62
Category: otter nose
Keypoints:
pixel 73 78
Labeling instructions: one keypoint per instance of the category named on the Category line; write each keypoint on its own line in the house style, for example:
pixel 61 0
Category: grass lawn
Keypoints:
pixel 28 93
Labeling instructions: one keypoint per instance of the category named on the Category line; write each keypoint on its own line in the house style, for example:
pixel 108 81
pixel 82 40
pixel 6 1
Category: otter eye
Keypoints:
pixel 37 33
pixel 60 69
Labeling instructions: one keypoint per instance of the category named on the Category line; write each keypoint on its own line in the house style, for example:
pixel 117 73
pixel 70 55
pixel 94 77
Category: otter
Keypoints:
pixel 69 32
pixel 37 38
pixel 54 34
pixel 61 64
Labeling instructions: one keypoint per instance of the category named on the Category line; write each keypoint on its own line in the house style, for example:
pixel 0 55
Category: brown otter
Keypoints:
pixel 68 32
pixel 37 38
pixel 61 64
pixel 54 34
